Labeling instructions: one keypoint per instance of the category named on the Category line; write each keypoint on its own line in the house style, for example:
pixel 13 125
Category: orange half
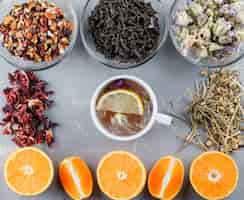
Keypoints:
pixel 166 178
pixel 76 178
pixel 28 171
pixel 121 175
pixel 214 175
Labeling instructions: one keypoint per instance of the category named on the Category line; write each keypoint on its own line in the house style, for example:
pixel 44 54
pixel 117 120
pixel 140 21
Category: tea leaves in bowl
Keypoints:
pixel 125 31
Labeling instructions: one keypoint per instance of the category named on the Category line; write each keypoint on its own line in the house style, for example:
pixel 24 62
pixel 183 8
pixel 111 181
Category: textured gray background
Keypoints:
pixel 75 80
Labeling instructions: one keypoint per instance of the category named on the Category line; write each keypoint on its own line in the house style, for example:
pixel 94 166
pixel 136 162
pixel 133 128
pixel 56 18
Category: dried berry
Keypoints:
pixel 26 103
pixel 36 31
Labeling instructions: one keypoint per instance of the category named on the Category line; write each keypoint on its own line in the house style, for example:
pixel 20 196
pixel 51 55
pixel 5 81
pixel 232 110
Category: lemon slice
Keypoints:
pixel 121 101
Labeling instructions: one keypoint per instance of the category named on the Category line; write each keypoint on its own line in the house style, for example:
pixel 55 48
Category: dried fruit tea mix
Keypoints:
pixel 36 30
pixel 27 100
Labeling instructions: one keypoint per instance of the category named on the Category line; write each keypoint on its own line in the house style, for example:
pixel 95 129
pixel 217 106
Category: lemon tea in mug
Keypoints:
pixel 124 107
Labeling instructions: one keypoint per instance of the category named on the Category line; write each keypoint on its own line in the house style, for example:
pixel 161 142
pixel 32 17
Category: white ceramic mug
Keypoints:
pixel 156 116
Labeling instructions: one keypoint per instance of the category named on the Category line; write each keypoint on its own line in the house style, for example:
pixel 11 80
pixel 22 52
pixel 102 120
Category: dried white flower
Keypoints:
pixel 221 27
pixel 211 27
pixel 195 8
pixel 214 46
pixel 183 19
pixel 201 52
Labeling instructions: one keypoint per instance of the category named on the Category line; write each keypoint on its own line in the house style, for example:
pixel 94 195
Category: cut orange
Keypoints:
pixel 214 175
pixel 76 178
pixel 166 178
pixel 28 171
pixel 121 175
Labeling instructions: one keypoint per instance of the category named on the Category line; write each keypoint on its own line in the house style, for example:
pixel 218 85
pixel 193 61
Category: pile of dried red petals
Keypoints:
pixel 26 103
pixel 36 30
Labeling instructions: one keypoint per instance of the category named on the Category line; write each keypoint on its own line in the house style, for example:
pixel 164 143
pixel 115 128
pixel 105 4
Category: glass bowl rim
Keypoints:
pixel 128 65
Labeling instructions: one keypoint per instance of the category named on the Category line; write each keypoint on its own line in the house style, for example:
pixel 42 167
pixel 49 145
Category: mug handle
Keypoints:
pixel 163 119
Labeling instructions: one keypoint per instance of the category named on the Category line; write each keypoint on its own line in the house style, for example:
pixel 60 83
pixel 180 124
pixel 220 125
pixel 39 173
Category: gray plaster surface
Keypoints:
pixel 74 81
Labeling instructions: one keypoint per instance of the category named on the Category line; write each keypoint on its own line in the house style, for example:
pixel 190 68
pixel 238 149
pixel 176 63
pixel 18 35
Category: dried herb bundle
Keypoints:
pixel 216 108
pixel 124 30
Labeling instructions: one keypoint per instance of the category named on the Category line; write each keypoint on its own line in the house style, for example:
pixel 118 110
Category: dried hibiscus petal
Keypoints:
pixel 26 103
pixel 49 136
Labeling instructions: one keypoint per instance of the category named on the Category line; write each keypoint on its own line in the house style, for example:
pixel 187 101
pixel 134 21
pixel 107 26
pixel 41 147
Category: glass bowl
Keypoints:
pixel 70 14
pixel 90 45
pixel 208 62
